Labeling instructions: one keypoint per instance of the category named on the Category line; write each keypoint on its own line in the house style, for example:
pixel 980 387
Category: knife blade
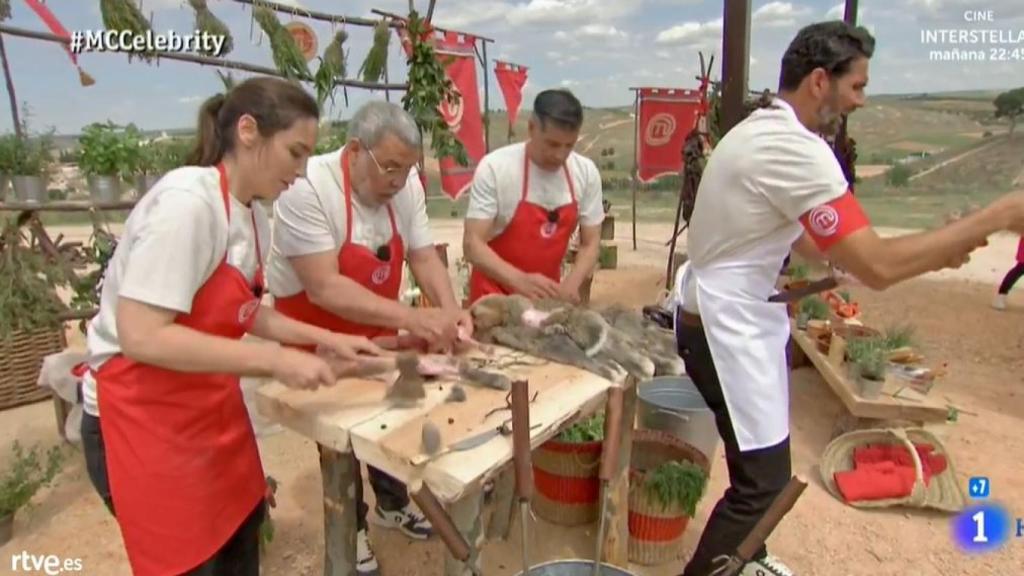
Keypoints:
pixel 477 440
pixel 798 293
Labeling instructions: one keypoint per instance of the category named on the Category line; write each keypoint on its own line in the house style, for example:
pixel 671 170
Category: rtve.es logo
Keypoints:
pixel 48 564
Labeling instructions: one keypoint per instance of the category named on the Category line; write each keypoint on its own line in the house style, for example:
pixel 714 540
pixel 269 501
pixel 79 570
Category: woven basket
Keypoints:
pixel 565 475
pixel 21 358
pixel 943 491
pixel 655 531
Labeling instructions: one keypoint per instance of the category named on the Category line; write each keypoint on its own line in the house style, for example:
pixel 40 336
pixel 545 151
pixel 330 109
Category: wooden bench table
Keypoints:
pixel 352 422
pixel 895 403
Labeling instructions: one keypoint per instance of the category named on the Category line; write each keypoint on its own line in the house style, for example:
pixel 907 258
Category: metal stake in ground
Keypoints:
pixel 520 401
pixel 609 451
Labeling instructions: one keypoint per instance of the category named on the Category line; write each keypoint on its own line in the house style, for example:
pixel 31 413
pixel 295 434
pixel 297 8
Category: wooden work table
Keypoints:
pixel 354 421
pixel 895 402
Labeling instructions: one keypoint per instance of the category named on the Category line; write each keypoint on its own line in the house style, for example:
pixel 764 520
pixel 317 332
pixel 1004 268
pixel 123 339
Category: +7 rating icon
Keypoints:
pixel 978 487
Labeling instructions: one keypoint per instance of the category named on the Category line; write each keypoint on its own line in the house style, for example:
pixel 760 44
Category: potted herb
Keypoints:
pixel 868 361
pixel 25 476
pixel 7 150
pixel 676 485
pixel 108 154
pixel 157 158
pixel 32 162
pixel 811 308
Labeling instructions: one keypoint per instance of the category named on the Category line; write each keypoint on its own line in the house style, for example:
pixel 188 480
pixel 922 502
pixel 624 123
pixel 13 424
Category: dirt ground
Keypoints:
pixel 821 536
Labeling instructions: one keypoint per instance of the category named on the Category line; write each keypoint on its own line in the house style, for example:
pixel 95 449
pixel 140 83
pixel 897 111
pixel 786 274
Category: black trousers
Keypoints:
pixel 1011 278
pixel 391 494
pixel 756 477
pixel 239 556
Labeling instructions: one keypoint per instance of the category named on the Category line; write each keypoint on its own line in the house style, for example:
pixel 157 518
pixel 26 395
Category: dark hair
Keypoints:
pixel 830 45
pixel 559 107
pixel 275 104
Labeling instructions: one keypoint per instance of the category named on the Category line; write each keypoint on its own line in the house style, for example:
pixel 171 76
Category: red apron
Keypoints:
pixel 1020 250
pixel 180 450
pixel 535 240
pixel 361 265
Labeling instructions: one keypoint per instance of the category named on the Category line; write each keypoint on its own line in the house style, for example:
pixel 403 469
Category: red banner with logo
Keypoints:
pixel 511 79
pixel 463 117
pixel 58 29
pixel 665 117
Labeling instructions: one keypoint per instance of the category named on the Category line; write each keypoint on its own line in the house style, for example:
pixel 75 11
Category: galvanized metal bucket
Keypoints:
pixel 574 568
pixel 30 189
pixel 673 404
pixel 104 189
pixel 144 182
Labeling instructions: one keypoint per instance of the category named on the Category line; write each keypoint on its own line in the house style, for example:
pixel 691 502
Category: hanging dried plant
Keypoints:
pixel 332 69
pixel 124 15
pixel 376 61
pixel 211 25
pixel 287 56
pixel 5 9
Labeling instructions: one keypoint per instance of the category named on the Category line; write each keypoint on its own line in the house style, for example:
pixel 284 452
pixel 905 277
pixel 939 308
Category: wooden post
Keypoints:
pixel 466 514
pixel 338 472
pixel 487 104
pixel 616 540
pixel 850 17
pixel 502 504
pixel 10 88
pixel 635 173
pixel 735 61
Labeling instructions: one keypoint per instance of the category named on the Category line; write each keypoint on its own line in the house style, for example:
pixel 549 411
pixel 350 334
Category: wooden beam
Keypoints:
pixel 401 22
pixel 10 89
pixel 64 206
pixel 314 15
pixel 735 61
pixel 204 60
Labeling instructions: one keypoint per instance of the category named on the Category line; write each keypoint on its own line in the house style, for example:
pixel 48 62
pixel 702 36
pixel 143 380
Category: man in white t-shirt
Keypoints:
pixel 341 239
pixel 526 201
pixel 773 185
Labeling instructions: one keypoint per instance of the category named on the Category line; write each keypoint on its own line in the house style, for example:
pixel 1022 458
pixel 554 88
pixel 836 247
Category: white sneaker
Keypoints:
pixel 366 562
pixel 767 566
pixel 408 520
pixel 999 302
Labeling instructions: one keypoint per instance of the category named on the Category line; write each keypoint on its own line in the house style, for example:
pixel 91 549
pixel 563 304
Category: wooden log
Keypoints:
pixel 502 504
pixel 466 514
pixel 338 471
pixel 616 539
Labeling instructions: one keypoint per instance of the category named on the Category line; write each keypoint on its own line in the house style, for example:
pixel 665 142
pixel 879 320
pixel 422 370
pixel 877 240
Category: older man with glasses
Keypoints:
pixel 341 237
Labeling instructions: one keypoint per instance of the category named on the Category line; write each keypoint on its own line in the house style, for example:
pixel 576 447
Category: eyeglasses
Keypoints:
pixel 390 172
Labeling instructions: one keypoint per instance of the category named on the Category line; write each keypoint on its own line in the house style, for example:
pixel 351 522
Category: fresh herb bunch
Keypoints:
pixel 815 308
pixel 589 430
pixel 376 60
pixel 899 336
pixel 29 157
pixel 429 86
pixel 287 56
pixel 676 484
pixel 207 22
pixel 28 298
pixel 89 287
pixel 160 157
pixel 26 476
pixel 868 356
pixel 331 141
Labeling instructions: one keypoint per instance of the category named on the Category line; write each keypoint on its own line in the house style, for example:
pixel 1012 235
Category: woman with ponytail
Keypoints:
pixel 174 455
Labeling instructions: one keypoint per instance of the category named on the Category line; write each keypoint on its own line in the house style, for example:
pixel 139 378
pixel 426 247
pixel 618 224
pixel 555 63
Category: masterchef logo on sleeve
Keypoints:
pixel 831 222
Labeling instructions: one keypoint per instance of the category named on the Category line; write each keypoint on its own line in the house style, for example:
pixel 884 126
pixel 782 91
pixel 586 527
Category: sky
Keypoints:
pixel 596 48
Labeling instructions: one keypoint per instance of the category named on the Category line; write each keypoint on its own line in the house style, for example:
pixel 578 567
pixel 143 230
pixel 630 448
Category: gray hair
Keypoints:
pixel 376 119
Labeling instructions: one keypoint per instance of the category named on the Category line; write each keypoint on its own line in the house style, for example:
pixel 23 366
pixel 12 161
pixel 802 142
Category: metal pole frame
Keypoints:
pixel 634 175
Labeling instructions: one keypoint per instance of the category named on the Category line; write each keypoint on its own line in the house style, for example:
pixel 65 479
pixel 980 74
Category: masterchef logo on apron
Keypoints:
pixel 548 229
pixel 245 311
pixel 824 220
pixel 660 129
pixel 381 274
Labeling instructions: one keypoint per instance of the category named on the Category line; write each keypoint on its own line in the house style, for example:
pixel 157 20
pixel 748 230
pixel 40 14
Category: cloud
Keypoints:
pixel 191 99
pixel 779 14
pixel 691 33
pixel 466 16
pixel 541 12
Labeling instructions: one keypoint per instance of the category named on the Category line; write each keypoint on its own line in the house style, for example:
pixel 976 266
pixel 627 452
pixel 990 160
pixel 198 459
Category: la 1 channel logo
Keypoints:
pixel 985 525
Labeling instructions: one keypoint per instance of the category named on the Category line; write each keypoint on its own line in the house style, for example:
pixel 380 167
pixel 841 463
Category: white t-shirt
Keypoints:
pixel 498 187
pixel 767 172
pixel 173 240
pixel 310 218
